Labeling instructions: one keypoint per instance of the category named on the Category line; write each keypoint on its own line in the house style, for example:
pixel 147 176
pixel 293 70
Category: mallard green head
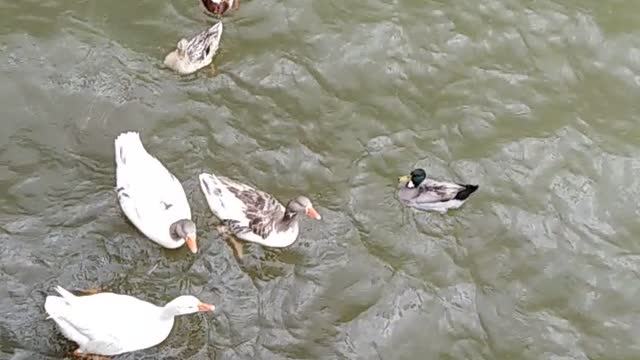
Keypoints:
pixel 414 179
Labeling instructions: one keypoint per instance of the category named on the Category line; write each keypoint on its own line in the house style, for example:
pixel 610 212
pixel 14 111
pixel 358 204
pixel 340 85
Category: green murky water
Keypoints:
pixel 537 101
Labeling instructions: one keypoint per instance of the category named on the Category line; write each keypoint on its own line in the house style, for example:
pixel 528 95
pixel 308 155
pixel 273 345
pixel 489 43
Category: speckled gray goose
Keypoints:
pixel 420 192
pixel 253 215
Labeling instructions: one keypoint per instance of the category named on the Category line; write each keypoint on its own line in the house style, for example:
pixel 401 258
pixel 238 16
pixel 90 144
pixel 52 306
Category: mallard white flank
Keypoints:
pixel 253 215
pixel 152 197
pixel 110 324
pixel 196 53
pixel 420 192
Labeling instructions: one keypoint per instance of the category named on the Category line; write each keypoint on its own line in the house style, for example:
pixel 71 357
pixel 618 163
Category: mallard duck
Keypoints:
pixel 420 192
pixel 152 197
pixel 253 215
pixel 219 7
pixel 111 324
pixel 192 55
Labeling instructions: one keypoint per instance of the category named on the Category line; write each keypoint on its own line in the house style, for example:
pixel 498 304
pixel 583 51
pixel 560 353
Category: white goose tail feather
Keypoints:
pixel 64 293
pixel 128 146
pixel 56 306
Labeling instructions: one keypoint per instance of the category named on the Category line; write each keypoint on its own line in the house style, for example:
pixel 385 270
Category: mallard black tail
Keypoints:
pixel 464 193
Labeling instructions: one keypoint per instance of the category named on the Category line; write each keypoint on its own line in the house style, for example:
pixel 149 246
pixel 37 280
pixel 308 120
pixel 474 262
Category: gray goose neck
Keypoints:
pixel 289 218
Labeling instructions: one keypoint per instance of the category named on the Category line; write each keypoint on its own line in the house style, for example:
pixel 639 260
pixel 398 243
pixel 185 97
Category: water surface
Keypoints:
pixel 535 101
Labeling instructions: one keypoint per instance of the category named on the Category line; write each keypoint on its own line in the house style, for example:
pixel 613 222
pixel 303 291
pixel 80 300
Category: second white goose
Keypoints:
pixel 152 197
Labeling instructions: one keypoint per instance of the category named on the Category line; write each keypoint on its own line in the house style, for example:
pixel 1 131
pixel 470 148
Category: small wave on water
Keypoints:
pixel 536 102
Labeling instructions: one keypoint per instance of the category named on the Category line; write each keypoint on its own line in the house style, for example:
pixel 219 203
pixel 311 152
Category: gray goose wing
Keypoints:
pixel 262 210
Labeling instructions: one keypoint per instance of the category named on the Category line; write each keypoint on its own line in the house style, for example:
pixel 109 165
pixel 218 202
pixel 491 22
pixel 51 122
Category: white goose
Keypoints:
pixel 151 197
pixel 112 324
pixel 253 215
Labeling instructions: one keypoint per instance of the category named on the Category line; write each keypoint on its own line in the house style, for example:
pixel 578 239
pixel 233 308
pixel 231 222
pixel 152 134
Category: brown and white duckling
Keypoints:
pixel 192 55
pixel 253 215
pixel 420 192
pixel 220 7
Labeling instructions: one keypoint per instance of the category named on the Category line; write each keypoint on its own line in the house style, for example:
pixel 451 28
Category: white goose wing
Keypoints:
pixel 150 196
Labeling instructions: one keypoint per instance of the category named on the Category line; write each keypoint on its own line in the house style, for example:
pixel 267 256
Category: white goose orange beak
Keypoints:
pixel 205 307
pixel 312 213
pixel 191 244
